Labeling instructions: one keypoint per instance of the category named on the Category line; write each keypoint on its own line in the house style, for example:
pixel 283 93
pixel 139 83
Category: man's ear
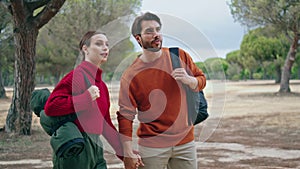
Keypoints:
pixel 138 38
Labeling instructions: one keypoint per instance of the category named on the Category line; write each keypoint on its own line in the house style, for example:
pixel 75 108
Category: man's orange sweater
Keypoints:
pixel 149 91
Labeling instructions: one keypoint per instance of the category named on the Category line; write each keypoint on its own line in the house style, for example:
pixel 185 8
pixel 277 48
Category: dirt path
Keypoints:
pixel 255 129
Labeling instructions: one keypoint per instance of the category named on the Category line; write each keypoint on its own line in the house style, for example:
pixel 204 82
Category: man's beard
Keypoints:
pixel 148 46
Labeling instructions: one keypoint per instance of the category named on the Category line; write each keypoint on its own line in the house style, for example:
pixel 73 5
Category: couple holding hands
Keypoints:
pixel 149 89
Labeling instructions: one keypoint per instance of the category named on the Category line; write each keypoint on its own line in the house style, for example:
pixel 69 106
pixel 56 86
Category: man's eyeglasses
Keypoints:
pixel 152 31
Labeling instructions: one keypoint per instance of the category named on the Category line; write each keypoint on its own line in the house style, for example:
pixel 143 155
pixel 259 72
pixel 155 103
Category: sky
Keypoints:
pixel 208 20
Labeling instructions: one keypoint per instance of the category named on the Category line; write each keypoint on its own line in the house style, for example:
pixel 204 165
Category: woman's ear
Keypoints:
pixel 84 49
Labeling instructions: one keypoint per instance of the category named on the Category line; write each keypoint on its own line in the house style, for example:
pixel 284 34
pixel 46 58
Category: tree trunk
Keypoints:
pixel 286 72
pixel 278 74
pixel 26 26
pixel 19 116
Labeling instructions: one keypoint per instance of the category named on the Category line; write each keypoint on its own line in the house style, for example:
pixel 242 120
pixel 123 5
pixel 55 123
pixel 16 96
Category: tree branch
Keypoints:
pixel 48 12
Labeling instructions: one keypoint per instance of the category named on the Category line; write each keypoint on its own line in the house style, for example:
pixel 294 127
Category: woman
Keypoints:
pixel 83 92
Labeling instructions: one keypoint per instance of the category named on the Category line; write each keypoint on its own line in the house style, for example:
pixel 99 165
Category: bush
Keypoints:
pixel 257 76
pixel 235 78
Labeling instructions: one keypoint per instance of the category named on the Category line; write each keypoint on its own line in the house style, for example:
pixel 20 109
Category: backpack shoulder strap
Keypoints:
pixel 86 80
pixel 174 52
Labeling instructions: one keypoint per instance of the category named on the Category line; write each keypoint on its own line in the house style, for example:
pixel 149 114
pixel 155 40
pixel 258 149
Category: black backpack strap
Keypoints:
pixel 193 118
pixel 174 52
pixel 86 80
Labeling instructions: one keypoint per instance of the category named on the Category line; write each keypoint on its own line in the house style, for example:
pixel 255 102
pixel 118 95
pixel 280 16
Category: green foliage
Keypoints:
pixel 59 40
pixel 233 57
pixel 262 50
pixel 202 66
pixel 6 47
pixel 216 68
pixel 7 61
pixel 235 78
pixel 235 67
pixel 117 54
pixel 53 58
pixel 257 76
pixel 296 68
pixel 283 16
pixel 264 47
pixel 233 72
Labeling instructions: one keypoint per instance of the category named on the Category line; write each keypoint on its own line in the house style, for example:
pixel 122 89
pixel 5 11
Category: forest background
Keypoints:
pixel 38 46
pixel 261 55
pixel 39 39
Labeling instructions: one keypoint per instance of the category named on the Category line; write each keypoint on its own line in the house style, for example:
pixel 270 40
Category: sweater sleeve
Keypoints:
pixel 110 132
pixel 127 110
pixel 63 97
pixel 193 69
pixel 112 135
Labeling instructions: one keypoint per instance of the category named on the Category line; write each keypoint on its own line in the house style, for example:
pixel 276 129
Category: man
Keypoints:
pixel 151 90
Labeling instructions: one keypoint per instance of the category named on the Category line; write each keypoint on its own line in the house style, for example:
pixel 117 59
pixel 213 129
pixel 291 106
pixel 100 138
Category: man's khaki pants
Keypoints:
pixel 177 157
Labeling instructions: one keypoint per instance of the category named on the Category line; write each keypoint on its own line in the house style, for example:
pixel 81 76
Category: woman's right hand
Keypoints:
pixel 94 92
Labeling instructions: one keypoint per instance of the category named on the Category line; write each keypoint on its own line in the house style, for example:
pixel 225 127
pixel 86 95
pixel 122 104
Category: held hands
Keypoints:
pixel 181 75
pixel 133 162
pixel 94 92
